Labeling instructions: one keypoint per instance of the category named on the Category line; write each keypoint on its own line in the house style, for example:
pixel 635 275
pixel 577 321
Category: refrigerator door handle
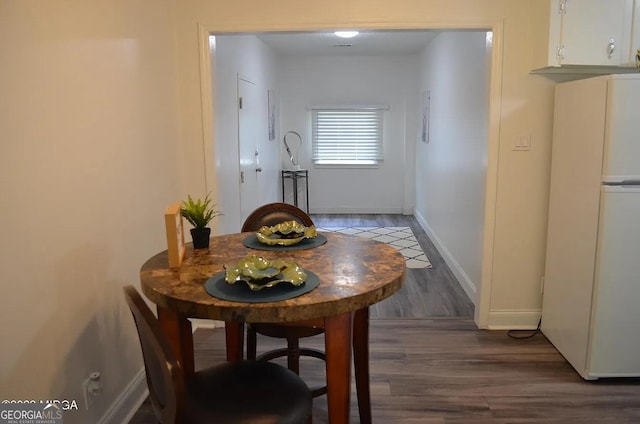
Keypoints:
pixel 625 183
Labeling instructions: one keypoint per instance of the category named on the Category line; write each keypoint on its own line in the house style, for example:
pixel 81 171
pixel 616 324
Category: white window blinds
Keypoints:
pixel 348 136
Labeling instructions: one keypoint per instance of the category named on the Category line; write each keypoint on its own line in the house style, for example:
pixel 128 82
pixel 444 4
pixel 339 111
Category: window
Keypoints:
pixel 347 135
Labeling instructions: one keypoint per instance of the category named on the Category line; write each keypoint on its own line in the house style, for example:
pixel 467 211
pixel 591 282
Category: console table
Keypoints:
pixel 294 176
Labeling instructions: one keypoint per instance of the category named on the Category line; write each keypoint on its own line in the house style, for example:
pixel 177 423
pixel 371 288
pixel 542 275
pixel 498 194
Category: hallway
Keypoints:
pixel 426 293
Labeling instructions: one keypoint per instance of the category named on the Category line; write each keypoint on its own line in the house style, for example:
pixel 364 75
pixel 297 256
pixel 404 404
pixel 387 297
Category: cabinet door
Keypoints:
pixel 592 32
pixel 632 34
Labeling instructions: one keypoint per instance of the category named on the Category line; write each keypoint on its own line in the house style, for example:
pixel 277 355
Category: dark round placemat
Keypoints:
pixel 216 286
pixel 252 242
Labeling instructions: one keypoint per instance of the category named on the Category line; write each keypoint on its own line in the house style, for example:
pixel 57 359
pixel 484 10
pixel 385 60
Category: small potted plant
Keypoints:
pixel 199 213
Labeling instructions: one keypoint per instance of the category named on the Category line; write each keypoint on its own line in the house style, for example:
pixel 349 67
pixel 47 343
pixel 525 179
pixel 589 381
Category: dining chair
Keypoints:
pixel 272 214
pixel 275 213
pixel 240 392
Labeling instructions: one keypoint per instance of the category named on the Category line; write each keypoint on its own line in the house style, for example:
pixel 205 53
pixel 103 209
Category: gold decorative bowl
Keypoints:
pixel 286 233
pixel 259 273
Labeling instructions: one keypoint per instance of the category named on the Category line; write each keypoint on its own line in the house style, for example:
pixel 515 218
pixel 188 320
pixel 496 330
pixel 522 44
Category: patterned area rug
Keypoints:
pixel 402 238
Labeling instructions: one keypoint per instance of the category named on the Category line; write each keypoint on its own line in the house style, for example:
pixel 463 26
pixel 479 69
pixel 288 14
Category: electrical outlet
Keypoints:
pixel 91 387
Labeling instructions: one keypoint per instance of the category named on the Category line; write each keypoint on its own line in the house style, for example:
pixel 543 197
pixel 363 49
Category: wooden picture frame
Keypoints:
pixel 174 225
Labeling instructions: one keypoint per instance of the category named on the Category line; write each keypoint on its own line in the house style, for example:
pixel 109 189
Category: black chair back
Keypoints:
pixel 275 213
pixel 164 373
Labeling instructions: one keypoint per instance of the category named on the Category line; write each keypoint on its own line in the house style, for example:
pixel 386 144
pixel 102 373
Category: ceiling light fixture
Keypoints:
pixel 346 34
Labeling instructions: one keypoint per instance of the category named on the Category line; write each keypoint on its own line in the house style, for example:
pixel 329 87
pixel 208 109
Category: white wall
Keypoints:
pixel 249 57
pixel 89 160
pixel 337 80
pixel 451 167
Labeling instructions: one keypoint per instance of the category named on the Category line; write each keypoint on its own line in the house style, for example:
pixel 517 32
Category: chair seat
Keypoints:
pixel 284 330
pixel 247 392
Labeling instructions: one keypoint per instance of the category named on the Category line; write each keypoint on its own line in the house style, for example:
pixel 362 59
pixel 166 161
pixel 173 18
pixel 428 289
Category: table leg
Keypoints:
pixel 306 180
pixel 361 363
pixel 282 179
pixel 337 338
pixel 295 190
pixel 234 335
pixel 178 330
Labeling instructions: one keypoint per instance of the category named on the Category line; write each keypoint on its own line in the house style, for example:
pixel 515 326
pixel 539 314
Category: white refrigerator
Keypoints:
pixel 591 291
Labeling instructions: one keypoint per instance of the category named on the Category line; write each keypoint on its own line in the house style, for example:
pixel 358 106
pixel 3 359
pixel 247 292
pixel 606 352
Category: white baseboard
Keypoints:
pixel 350 210
pixel 205 323
pixel 127 404
pixel 465 282
pixel 514 319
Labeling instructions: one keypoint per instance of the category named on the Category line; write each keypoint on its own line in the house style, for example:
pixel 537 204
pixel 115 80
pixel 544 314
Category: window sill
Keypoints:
pixel 346 165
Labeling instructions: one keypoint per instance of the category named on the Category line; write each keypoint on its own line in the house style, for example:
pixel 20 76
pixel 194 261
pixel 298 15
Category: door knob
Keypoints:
pixel 258 169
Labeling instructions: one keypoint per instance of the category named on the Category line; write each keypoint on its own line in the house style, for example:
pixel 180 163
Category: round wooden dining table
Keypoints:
pixel 353 274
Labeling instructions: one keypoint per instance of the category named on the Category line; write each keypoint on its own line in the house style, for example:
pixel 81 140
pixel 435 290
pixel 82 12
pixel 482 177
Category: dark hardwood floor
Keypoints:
pixel 430 364
pixel 428 292
pixel 446 371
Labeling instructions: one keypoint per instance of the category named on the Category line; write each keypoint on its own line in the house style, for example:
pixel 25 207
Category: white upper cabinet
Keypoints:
pixel 629 49
pixel 592 32
pixel 584 32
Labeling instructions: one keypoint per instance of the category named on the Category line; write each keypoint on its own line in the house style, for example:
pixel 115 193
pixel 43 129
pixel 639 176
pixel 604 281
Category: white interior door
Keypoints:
pixel 248 133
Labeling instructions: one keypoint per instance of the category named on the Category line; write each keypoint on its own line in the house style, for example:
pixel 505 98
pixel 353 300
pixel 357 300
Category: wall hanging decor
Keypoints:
pixel 426 110
pixel 293 147
pixel 271 113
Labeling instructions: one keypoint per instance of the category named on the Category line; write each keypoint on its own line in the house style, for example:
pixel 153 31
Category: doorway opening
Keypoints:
pixel 409 193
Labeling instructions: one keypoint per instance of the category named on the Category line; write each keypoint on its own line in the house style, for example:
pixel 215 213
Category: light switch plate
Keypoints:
pixel 522 143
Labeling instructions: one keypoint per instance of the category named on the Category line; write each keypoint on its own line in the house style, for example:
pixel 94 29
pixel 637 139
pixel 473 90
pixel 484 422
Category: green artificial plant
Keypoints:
pixel 199 212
